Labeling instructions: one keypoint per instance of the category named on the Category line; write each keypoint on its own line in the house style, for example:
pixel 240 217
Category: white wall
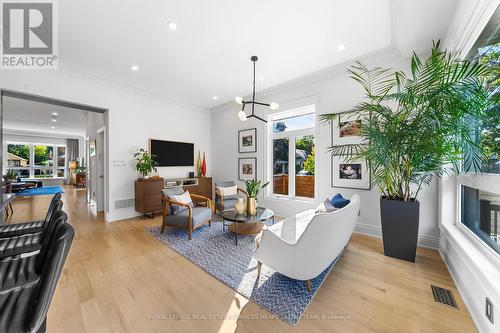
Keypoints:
pixel 134 117
pixel 334 91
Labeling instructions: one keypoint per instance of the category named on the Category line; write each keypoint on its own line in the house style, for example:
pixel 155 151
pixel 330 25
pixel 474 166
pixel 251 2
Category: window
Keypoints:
pixel 292 138
pixel 18 159
pixel 48 160
pixel 479 208
pixel 480 213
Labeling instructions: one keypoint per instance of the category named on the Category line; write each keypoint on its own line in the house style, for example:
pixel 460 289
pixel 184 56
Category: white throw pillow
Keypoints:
pixel 182 198
pixel 228 191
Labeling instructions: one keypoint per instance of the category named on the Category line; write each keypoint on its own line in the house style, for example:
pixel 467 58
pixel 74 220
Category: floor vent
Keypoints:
pixel 443 296
pixel 124 203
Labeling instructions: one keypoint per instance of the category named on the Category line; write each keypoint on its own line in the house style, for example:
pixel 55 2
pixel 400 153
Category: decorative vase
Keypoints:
pixel 198 165
pixel 400 237
pixel 203 166
pixel 251 206
pixel 240 206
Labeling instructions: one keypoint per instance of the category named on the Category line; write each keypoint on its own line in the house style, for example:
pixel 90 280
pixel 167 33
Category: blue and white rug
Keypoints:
pixel 40 191
pixel 214 250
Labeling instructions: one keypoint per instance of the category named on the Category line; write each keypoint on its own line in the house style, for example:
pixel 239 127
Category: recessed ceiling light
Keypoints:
pixel 54 119
pixel 135 68
pixel 172 25
pixel 54 113
pixel 341 47
pixel 215 98
pixel 261 79
pixel 52 127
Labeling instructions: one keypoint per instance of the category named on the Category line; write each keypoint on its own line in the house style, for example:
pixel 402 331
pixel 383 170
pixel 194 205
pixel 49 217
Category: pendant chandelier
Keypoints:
pixel 242 115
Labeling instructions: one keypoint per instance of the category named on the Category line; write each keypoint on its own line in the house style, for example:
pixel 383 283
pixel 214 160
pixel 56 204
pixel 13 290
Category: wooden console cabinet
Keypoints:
pixel 203 188
pixel 148 196
pixel 148 193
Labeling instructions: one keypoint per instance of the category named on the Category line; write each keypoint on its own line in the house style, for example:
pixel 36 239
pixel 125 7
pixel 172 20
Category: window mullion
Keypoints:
pixel 291 166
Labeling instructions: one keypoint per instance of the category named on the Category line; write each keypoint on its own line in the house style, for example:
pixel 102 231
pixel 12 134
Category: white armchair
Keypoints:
pixel 304 245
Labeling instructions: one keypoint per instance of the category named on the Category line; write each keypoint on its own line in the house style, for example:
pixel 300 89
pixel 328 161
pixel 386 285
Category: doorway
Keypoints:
pixel 60 130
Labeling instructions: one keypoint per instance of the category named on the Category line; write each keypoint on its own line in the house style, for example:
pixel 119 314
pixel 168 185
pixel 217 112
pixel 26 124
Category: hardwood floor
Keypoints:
pixel 118 278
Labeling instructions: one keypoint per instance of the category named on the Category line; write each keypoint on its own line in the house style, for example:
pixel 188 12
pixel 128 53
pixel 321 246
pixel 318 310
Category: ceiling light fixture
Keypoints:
pixel 341 47
pixel 215 98
pixel 172 25
pixel 54 119
pixel 135 68
pixel 54 114
pixel 242 115
pixel 52 127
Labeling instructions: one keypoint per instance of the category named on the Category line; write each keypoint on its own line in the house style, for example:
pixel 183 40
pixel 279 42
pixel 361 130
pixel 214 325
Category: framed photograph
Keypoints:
pixel 247 168
pixel 92 147
pixel 346 129
pixel 247 141
pixel 350 174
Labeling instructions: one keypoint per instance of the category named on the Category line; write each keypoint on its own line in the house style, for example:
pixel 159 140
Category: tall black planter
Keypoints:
pixel 400 228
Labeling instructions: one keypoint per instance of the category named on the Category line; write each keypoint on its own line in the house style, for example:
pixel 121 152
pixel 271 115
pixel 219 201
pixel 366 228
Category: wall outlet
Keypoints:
pixel 489 310
pixel 119 163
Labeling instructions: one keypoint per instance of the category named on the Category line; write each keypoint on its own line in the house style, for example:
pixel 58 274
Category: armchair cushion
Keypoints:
pixel 182 198
pixel 228 191
pixel 200 216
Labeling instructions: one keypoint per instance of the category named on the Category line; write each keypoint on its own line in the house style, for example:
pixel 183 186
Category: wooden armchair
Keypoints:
pixel 192 217
pixel 223 203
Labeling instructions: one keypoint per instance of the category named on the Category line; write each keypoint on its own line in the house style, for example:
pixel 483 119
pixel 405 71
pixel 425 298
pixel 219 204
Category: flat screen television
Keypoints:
pixel 171 153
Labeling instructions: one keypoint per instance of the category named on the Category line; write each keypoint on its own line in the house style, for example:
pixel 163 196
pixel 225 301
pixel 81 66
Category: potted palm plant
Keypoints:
pixel 253 189
pixel 145 163
pixel 416 127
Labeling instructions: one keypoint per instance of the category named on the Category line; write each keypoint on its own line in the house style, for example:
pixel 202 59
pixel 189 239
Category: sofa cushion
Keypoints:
pixel 325 207
pixel 200 216
pixel 338 201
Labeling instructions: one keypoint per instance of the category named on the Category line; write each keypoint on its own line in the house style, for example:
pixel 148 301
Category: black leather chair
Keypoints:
pixel 29 242
pixel 28 283
pixel 18 229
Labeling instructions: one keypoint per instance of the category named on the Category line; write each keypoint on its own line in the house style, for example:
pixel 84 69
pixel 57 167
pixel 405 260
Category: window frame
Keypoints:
pixel 304 108
pixel 32 167
pixel 483 182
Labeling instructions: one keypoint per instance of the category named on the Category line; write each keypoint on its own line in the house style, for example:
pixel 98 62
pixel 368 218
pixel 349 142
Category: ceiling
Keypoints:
pixel 209 52
pixel 34 118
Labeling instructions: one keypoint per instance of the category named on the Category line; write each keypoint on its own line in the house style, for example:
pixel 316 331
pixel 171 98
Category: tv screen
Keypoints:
pixel 170 153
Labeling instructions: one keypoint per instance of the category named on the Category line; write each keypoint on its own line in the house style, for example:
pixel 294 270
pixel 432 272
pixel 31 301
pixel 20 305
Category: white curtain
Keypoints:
pixel 71 155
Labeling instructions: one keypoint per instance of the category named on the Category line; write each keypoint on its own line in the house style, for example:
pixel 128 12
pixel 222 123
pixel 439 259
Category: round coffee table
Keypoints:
pixel 245 224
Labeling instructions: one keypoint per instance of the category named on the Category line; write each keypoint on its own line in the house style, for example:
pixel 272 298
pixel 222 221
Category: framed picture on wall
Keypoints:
pixel 346 129
pixel 247 141
pixel 247 168
pixel 350 174
pixel 92 148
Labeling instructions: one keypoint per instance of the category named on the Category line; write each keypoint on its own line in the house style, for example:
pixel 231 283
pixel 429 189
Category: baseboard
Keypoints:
pixel 464 293
pixel 430 242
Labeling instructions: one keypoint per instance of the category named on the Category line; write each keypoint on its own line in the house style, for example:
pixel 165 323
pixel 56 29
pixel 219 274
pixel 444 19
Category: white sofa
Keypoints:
pixel 304 245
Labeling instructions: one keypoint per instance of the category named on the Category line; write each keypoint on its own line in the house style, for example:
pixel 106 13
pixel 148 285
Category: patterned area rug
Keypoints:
pixel 214 250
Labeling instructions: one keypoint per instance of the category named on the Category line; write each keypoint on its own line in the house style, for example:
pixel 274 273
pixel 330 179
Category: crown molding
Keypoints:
pixel 28 133
pixel 318 76
pixel 130 89
pixel 467 24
